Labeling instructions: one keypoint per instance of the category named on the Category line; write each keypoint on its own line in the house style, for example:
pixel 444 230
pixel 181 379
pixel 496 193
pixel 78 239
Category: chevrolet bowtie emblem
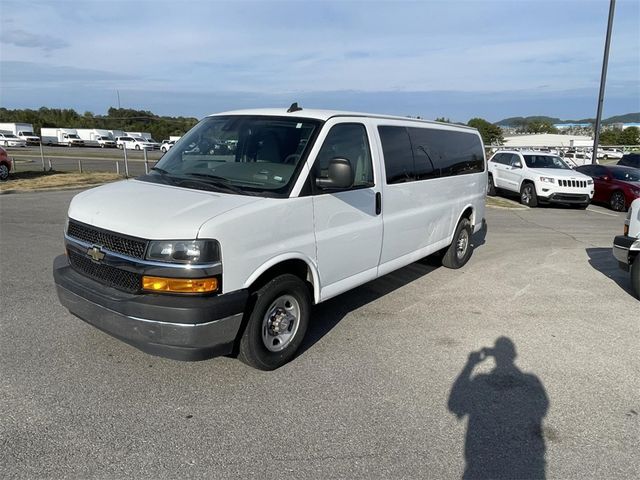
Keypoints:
pixel 95 253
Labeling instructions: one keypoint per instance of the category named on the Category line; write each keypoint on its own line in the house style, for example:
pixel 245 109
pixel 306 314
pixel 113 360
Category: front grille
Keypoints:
pixel 114 277
pixel 573 183
pixel 115 242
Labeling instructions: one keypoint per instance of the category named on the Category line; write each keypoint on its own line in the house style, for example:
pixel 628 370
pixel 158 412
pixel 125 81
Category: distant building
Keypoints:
pixel 547 140
pixel 567 126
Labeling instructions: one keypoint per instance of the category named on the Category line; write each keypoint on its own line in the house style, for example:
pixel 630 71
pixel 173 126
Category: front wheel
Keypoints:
pixel 459 252
pixel 491 188
pixel 137 147
pixel 4 172
pixel 528 195
pixel 277 323
pixel 635 276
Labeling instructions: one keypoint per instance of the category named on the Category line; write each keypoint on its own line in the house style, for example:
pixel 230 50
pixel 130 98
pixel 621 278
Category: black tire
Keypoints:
pixel 617 202
pixel 137 147
pixel 260 324
pixel 528 195
pixel 459 252
pixel 491 188
pixel 635 276
pixel 4 172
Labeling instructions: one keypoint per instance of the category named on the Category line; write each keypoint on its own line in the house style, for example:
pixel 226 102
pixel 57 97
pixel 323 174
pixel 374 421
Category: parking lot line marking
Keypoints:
pixel 602 213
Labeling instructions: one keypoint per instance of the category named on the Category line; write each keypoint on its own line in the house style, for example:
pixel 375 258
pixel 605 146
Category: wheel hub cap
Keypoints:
pixel 280 323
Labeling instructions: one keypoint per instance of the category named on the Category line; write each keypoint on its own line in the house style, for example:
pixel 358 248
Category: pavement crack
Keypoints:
pixel 531 222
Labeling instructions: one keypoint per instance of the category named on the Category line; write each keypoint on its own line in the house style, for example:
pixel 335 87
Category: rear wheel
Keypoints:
pixel 277 323
pixel 137 147
pixel 459 252
pixel 491 188
pixel 617 202
pixel 528 195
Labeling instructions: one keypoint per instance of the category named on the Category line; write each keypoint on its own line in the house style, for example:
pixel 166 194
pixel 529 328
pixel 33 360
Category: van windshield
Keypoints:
pixel 242 154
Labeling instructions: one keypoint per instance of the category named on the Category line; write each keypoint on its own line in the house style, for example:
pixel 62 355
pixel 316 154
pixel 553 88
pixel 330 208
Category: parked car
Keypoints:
pixel 607 153
pixel 166 145
pixel 614 185
pixel 8 139
pixel 626 247
pixel 5 164
pixel 213 253
pixel 135 143
pixel 578 158
pixel 105 142
pixel 538 178
pixel 630 160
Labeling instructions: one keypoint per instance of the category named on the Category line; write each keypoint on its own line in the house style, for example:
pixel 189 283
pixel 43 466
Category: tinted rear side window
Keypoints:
pixel 398 156
pixel 450 152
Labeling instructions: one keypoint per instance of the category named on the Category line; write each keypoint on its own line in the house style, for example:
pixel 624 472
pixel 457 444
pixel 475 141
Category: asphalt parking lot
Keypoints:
pixel 380 389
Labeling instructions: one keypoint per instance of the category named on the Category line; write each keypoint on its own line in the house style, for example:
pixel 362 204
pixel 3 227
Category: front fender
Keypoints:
pixel 272 262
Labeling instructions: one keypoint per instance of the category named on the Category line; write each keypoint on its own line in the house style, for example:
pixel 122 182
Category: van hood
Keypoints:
pixel 559 173
pixel 150 210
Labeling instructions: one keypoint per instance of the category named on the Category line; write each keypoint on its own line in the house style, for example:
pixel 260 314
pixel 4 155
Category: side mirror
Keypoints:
pixel 339 176
pixel 517 164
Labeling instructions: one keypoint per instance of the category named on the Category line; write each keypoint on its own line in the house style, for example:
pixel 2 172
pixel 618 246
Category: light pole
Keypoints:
pixel 603 81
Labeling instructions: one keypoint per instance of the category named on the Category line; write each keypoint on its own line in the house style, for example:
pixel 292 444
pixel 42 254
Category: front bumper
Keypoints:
pixel 622 247
pixel 568 198
pixel 178 327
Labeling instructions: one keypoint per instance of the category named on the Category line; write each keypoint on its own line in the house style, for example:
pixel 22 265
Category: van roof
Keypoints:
pixel 325 115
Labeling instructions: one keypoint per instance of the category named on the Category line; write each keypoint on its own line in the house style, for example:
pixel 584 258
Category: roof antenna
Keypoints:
pixel 294 108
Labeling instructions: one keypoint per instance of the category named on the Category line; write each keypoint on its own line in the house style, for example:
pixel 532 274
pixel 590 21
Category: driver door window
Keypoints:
pixel 349 141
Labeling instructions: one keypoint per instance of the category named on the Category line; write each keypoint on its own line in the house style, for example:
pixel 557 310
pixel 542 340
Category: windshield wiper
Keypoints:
pixel 221 182
pixel 162 171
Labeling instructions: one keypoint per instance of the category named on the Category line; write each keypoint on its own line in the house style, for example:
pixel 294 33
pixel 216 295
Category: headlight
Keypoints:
pixel 184 251
pixel 589 182
pixel 547 179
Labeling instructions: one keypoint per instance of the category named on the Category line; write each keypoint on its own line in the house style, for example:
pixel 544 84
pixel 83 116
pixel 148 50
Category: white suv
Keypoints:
pixel 135 143
pixel 8 139
pixel 538 177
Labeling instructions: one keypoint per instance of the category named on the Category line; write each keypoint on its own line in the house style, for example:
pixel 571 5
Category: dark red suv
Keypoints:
pixel 615 185
pixel 5 164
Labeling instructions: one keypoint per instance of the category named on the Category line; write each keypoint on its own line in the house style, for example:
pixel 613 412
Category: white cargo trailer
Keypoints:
pixel 145 135
pixel 61 136
pixel 23 131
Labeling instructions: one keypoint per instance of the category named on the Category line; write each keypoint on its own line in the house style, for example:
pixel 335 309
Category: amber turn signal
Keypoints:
pixel 180 285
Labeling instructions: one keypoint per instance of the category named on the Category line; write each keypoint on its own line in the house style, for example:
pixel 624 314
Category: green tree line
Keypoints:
pixel 617 136
pixel 160 127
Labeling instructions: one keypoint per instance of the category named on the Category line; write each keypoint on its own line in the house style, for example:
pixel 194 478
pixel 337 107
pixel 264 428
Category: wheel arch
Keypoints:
pixel 467 212
pixel 294 263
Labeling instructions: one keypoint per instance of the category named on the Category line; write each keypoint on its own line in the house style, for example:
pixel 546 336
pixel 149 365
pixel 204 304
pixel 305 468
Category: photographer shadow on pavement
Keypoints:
pixel 505 409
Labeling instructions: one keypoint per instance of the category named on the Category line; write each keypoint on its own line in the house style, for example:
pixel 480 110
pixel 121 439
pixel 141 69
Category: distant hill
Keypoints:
pixel 516 121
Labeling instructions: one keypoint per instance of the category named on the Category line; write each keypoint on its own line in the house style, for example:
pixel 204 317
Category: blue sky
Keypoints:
pixel 452 58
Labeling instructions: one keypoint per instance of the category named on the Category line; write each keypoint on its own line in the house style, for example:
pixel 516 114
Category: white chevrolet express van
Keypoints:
pixel 254 216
